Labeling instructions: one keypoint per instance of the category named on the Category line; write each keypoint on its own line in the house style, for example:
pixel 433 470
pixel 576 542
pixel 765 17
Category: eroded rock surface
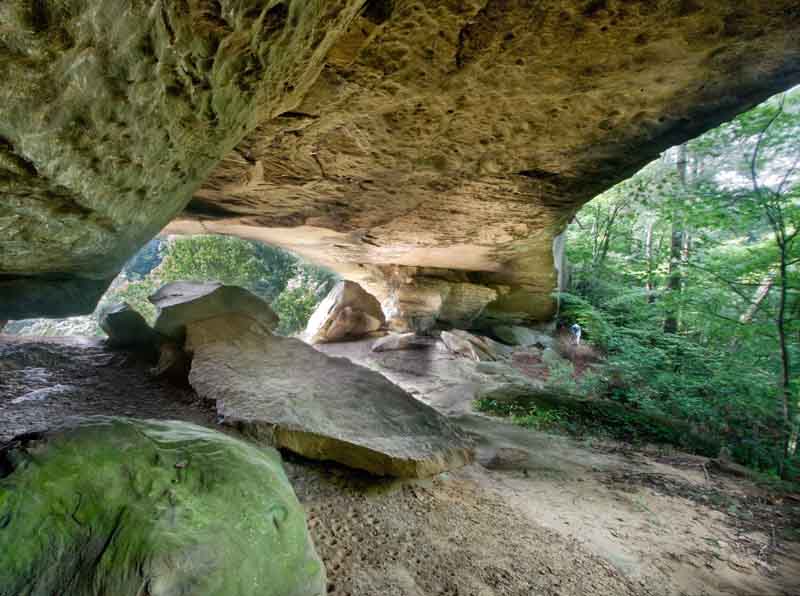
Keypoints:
pixel 285 392
pixel 446 144
pixel 113 112
pixel 126 507
pixel 347 312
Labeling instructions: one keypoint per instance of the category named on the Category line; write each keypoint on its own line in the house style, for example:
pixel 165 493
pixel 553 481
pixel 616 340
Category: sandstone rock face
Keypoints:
pixel 458 138
pixel 113 112
pixel 126 328
pixel 128 507
pixel 347 312
pixel 283 391
pixel 184 302
pixel 427 135
pixel 419 298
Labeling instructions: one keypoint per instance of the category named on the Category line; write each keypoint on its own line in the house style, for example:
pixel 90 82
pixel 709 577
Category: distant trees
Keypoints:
pixel 293 287
pixel 687 274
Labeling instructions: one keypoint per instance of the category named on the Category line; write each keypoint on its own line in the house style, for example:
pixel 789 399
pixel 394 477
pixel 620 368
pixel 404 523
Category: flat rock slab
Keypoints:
pixel 127 507
pixel 284 391
pixel 183 302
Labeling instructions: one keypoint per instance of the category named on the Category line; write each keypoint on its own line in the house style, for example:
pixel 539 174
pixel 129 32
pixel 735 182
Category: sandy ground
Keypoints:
pixel 536 514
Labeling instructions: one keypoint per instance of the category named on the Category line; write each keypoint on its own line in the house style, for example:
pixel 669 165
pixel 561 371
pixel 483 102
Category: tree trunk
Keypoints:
pixel 648 255
pixel 790 426
pixel 760 295
pixel 674 280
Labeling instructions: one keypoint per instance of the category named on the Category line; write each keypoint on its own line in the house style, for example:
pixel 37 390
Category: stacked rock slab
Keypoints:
pixel 347 312
pixel 283 391
pixel 183 302
pixel 128 507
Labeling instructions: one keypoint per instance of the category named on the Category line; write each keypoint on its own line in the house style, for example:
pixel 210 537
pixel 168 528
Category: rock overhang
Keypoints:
pixel 436 137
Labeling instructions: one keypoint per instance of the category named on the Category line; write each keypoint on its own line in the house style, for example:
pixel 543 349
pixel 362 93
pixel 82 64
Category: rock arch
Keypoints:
pixel 430 150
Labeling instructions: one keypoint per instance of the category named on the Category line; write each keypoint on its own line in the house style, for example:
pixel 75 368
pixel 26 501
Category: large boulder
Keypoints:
pixel 518 335
pixel 183 302
pixel 476 347
pixel 285 392
pixel 126 328
pixel 124 507
pixel 402 341
pixel 347 312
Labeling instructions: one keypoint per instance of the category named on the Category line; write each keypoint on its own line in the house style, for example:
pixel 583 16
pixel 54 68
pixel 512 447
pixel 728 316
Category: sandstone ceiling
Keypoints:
pixel 432 149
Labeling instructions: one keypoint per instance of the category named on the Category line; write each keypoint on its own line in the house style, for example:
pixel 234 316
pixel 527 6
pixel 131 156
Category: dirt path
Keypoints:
pixel 671 529
pixel 46 380
pixel 538 514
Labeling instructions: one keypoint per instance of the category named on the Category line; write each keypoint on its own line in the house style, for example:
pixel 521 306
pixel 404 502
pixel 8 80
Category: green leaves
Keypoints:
pixel 738 213
pixel 293 288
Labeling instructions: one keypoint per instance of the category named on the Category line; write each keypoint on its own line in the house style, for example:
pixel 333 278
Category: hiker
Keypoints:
pixel 576 333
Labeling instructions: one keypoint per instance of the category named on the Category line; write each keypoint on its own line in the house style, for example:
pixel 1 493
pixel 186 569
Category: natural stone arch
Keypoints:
pixel 435 142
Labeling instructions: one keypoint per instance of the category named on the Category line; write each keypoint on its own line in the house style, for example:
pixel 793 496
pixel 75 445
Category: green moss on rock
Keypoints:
pixel 126 507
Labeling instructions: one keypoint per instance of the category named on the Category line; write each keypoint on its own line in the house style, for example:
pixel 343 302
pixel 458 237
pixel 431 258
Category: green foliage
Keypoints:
pixel 737 208
pixel 527 415
pixel 134 293
pixel 293 288
pixel 592 418
pixel 227 260
pixel 294 307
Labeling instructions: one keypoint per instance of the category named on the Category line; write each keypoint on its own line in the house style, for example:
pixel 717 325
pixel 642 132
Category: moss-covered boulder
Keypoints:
pixel 123 507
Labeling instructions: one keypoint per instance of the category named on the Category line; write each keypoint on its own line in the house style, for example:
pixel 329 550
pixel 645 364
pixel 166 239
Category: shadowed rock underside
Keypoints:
pixel 406 144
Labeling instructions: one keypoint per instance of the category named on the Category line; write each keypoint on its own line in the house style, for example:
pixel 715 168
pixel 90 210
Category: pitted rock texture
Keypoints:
pixel 127 507
pixel 458 135
pixel 112 112
pixel 463 135
pixel 283 391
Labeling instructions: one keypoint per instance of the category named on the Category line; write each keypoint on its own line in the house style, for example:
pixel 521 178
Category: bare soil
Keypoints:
pixel 536 514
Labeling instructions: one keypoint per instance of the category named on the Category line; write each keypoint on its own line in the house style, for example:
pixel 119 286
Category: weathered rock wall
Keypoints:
pixel 113 112
pixel 461 136
pixel 457 135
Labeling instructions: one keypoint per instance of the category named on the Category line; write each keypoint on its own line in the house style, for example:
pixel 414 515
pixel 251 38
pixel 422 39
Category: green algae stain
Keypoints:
pixel 129 507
